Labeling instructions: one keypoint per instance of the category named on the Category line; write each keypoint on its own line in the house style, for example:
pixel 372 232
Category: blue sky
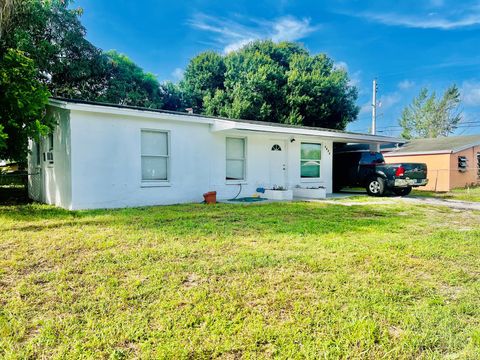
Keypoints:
pixel 405 44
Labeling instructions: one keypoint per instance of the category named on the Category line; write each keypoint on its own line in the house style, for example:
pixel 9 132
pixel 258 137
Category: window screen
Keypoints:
pixel 154 155
pixel 310 156
pixel 462 163
pixel 235 156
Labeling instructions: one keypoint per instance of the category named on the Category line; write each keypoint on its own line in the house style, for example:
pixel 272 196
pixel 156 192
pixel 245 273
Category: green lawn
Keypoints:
pixel 281 280
pixel 465 194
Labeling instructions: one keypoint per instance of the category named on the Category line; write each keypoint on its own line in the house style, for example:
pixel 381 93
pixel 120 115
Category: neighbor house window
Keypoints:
pixel 155 155
pixel 462 163
pixel 235 159
pixel 310 156
pixel 478 164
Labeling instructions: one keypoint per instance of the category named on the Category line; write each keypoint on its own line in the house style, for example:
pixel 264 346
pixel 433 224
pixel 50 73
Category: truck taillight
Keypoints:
pixel 400 171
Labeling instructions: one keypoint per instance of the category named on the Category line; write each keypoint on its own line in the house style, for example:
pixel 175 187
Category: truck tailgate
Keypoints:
pixel 415 170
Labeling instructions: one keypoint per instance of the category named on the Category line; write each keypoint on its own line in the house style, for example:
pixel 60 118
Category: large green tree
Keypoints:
pixel 204 74
pixel 279 82
pixel 318 94
pixel 128 84
pixel 50 33
pixel 43 51
pixel 429 116
pixel 7 9
pixel 22 104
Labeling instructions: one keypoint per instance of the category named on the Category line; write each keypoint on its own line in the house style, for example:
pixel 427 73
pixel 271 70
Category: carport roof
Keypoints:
pixel 222 124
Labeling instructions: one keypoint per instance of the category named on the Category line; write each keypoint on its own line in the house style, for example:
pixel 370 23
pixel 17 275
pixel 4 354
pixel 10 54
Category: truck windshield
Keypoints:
pixel 372 158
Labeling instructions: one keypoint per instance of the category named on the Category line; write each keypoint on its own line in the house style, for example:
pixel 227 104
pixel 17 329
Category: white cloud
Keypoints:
pixel 290 29
pixel 177 74
pixel 383 103
pixel 232 34
pixel 237 45
pixel 355 79
pixel 437 3
pixel 365 108
pixel 406 84
pixel 388 100
pixel 456 17
pixel 471 93
pixel 341 65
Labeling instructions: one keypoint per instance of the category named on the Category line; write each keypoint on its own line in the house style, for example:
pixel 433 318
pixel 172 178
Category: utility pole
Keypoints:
pixel 374 107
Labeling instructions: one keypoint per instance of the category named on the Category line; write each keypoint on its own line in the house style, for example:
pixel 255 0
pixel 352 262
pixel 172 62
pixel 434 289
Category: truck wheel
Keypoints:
pixel 402 191
pixel 376 186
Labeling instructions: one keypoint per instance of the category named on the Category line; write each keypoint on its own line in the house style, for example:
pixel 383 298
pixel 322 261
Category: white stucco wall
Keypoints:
pixel 51 183
pixel 106 165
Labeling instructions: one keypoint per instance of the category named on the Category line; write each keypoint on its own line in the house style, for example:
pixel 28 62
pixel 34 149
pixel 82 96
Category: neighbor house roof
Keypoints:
pixel 218 123
pixel 441 145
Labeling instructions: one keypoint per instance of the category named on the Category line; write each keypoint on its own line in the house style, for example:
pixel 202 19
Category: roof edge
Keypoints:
pixel 465 147
pixel 90 106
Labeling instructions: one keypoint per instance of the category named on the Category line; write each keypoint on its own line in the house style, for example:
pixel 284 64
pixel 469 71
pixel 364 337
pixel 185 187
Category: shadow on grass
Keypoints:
pixel 13 195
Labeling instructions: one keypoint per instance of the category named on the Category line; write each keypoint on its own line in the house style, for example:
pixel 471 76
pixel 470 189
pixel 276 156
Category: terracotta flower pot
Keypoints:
pixel 210 197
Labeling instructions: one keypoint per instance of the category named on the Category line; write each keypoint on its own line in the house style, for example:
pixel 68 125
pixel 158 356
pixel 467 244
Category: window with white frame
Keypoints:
pixel 236 159
pixel 310 156
pixel 155 155
pixel 48 155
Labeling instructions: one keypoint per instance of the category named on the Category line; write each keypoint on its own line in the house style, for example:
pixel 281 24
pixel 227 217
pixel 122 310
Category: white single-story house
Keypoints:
pixel 111 156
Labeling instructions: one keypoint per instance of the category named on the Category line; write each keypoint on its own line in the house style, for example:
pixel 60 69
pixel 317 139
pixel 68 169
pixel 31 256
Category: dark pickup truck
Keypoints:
pixel 368 169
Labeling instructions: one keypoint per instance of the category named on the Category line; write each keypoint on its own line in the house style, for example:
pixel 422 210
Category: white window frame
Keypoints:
pixel 244 159
pixel 311 179
pixel 156 183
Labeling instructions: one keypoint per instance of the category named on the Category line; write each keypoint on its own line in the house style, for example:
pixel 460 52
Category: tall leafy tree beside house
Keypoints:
pixel 42 52
pixel 204 75
pixel 318 94
pixel 50 33
pixel 7 9
pixel 128 84
pixel 430 116
pixel 22 105
pixel 279 82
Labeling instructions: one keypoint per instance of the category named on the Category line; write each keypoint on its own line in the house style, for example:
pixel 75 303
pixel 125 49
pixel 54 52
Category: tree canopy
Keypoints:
pixel 267 81
pixel 44 52
pixel 429 116
pixel 128 84
pixel 50 33
pixel 22 105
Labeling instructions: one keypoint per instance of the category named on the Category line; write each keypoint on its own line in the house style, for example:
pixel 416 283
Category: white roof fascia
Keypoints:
pixel 235 125
pixel 221 124
pixel 105 109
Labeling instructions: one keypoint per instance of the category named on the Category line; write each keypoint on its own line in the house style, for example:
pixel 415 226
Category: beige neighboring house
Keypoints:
pixel 452 162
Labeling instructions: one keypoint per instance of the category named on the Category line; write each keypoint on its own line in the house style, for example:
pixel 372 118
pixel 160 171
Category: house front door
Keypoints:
pixel 278 163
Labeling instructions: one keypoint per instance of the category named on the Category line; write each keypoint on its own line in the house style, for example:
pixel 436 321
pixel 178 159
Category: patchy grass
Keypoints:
pixel 464 194
pixel 283 280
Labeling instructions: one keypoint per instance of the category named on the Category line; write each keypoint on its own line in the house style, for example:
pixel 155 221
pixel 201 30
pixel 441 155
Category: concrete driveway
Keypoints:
pixel 342 199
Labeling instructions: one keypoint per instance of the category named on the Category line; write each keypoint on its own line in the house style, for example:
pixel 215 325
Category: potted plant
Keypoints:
pixel 278 193
pixel 313 192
